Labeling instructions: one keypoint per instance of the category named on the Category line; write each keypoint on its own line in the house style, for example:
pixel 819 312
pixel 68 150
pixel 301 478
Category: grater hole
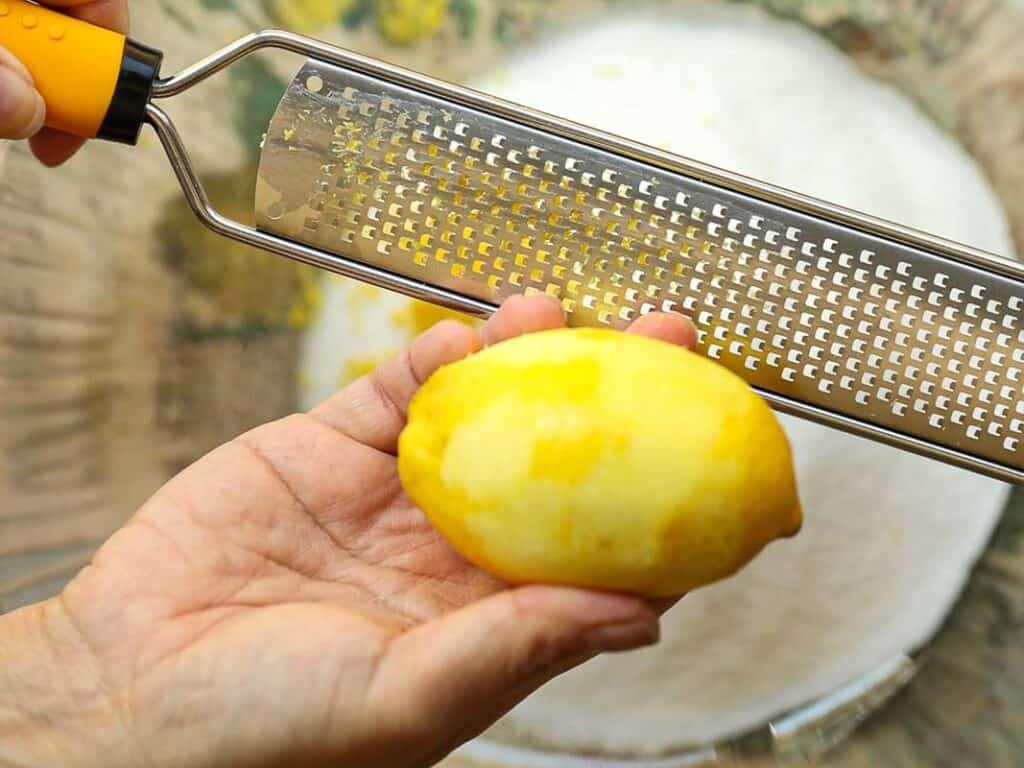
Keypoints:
pixel 276 210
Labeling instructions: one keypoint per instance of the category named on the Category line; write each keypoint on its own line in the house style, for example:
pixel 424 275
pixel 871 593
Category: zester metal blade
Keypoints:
pixel 831 315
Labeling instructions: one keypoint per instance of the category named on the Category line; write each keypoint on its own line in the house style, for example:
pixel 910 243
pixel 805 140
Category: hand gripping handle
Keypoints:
pixel 95 82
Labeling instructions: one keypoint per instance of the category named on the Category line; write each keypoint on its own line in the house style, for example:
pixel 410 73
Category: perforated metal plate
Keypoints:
pixel 829 320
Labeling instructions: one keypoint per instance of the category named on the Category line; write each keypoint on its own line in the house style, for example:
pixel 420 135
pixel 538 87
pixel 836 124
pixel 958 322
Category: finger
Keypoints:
pixel 372 409
pixel 53 148
pixel 666 326
pixel 9 60
pixel 523 314
pixel 111 14
pixel 453 677
pixel 22 111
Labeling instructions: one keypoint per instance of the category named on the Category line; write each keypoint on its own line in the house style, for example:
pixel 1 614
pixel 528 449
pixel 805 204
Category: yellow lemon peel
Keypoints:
pixel 599 459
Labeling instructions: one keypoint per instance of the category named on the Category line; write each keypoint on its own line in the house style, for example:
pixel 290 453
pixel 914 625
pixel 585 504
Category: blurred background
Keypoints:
pixel 132 341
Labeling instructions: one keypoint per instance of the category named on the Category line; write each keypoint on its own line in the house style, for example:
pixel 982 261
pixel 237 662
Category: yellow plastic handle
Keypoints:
pixel 75 65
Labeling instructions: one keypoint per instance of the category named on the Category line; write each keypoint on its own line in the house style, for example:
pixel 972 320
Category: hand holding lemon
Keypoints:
pixel 283 601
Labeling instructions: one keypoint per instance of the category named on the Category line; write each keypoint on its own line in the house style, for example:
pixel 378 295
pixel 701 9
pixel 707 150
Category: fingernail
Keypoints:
pixel 38 120
pixel 22 110
pixel 624 637
pixel 552 300
pixel 18 68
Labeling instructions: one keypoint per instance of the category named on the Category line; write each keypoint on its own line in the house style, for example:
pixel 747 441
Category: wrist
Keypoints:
pixel 53 707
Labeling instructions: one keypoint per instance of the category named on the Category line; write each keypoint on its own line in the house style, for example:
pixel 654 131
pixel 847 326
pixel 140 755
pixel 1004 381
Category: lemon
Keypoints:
pixel 405 21
pixel 309 15
pixel 600 459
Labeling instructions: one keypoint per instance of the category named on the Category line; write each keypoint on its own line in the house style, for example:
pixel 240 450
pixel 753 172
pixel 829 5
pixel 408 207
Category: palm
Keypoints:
pixel 284 594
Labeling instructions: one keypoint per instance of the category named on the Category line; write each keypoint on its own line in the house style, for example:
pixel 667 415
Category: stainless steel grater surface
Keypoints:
pixel 834 316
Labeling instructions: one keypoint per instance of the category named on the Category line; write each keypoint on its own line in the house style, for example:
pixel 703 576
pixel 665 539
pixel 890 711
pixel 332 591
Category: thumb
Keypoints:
pixel 449 679
pixel 22 110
